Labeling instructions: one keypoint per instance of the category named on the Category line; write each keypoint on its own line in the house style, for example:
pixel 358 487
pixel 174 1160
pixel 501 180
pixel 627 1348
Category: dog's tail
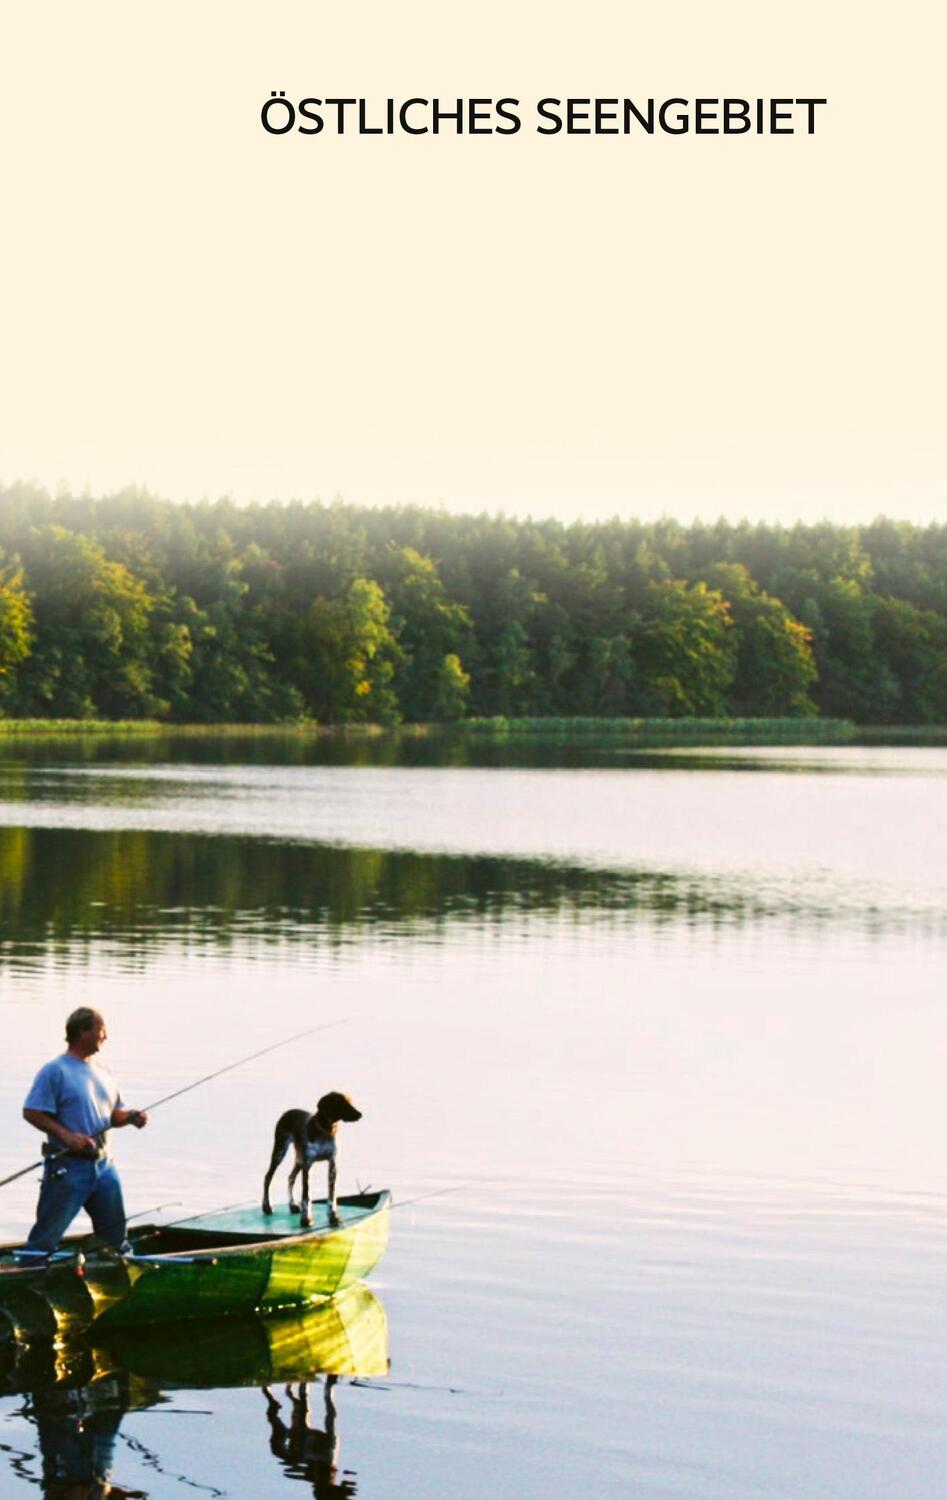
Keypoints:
pixel 281 1143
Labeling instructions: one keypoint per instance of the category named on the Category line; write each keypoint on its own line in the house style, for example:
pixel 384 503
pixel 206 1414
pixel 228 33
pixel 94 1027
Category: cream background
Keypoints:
pixel 569 327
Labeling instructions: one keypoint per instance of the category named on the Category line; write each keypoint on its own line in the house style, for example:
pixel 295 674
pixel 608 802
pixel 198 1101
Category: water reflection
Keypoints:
pixel 284 850
pixel 76 1396
pixel 306 1452
pixel 62 888
pixel 454 747
pixel 77 1431
pixel 68 884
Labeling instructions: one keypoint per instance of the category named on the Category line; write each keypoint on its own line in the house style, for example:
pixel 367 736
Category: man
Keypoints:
pixel 75 1101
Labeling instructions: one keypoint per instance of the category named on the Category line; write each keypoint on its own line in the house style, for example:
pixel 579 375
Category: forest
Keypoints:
pixel 129 606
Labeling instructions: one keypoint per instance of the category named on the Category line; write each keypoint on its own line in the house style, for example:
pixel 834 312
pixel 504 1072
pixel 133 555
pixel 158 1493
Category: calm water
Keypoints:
pixel 670 1027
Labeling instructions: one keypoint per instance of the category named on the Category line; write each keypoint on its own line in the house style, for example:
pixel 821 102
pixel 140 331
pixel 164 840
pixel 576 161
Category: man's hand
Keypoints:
pixel 71 1140
pixel 74 1140
pixel 136 1117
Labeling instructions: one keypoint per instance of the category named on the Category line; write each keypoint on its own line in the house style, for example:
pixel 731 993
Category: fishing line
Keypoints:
pixel 175 1203
pixel 326 1026
pixel 438 1193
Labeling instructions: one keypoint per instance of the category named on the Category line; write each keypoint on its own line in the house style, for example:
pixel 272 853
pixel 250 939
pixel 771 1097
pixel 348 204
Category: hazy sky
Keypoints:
pixel 565 326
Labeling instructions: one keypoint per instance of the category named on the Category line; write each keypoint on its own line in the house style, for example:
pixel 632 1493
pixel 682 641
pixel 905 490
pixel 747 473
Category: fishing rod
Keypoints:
pixel 166 1098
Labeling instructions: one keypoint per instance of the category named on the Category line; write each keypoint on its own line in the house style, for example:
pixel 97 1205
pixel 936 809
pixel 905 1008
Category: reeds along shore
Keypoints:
pixel 148 727
pixel 678 731
pixel 813 731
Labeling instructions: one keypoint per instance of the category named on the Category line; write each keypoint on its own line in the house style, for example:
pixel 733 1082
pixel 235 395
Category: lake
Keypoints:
pixel 650 1050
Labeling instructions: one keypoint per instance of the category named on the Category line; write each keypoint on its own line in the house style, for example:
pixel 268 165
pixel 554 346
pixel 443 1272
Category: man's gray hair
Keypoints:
pixel 81 1020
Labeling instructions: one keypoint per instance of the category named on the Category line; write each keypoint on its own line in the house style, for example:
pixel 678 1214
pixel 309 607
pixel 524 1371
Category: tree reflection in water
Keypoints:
pixel 63 891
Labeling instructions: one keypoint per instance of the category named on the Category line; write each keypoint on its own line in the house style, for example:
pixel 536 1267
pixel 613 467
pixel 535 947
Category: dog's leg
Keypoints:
pixel 305 1221
pixel 333 1206
pixel 330 1409
pixel 279 1432
pixel 279 1151
pixel 297 1168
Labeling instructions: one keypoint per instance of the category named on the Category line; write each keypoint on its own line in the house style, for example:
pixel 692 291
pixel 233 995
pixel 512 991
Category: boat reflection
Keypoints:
pixel 76 1395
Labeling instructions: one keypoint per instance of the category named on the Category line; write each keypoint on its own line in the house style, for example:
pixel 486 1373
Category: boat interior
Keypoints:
pixel 223 1228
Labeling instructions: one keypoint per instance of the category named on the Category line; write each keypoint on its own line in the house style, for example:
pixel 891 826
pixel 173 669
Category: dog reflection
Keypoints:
pixel 305 1452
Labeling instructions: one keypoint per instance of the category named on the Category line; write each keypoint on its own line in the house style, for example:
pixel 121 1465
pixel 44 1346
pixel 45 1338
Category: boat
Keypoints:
pixel 223 1263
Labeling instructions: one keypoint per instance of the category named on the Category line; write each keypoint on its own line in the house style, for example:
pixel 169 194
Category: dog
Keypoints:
pixel 314 1139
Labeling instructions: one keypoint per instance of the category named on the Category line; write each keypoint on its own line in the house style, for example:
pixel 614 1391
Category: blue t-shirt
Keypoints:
pixel 79 1095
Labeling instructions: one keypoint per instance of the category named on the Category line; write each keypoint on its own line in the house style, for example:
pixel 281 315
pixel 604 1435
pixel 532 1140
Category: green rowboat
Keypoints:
pixel 236 1261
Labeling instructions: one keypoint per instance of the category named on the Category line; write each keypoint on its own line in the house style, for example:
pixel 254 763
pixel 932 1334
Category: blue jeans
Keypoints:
pixel 70 1184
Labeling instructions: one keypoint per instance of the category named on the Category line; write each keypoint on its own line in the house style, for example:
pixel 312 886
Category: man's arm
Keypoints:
pixel 72 1140
pixel 136 1117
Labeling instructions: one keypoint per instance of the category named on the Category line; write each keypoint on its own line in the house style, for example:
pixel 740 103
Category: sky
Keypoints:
pixel 579 326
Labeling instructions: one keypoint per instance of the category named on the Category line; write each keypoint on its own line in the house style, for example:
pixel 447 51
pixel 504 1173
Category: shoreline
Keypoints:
pixel 809 731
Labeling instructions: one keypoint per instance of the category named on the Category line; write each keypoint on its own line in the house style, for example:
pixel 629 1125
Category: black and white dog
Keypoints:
pixel 314 1139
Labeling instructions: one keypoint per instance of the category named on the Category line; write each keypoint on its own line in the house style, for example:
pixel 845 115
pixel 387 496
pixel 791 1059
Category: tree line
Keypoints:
pixel 133 607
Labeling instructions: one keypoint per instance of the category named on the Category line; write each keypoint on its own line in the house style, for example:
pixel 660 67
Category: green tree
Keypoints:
pixel 353 657
pixel 92 653
pixel 432 631
pixel 910 656
pixel 508 676
pixel 451 689
pixel 685 650
pixel 848 681
pixel 16 628
pixel 235 677
pixel 775 666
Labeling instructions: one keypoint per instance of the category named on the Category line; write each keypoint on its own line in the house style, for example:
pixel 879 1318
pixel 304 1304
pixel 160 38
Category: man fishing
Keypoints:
pixel 75 1101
